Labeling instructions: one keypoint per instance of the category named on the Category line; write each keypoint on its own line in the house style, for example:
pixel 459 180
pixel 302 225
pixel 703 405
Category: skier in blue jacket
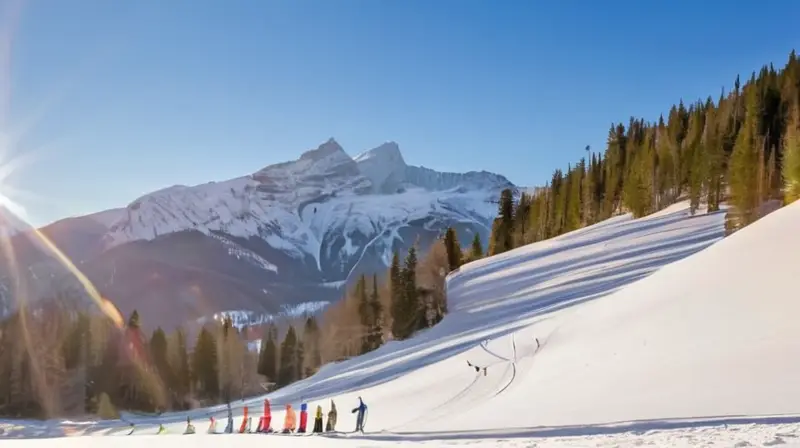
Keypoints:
pixel 361 409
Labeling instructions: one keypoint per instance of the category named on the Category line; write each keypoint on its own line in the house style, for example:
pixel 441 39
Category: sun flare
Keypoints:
pixel 14 219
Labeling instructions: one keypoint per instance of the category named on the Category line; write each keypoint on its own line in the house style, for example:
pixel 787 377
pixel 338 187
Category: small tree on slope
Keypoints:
pixel 791 157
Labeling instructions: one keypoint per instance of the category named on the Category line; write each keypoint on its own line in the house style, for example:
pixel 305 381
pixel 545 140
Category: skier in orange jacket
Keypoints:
pixel 290 421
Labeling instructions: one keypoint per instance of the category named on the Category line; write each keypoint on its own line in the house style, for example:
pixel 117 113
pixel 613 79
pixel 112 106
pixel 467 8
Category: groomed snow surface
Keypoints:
pixel 703 351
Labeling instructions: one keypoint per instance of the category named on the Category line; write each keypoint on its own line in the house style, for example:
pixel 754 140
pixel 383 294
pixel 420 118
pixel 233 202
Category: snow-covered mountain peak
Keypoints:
pixel 389 173
pixel 328 161
pixel 324 206
pixel 387 152
pixel 330 148
pixel 384 166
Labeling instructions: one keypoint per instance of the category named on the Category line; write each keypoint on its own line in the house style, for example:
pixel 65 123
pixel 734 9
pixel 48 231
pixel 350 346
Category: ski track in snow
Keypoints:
pixel 649 334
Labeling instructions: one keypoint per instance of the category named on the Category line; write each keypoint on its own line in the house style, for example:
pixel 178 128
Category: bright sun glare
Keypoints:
pixel 7 168
pixel 12 213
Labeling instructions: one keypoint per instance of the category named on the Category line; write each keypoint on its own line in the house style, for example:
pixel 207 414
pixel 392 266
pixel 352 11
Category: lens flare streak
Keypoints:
pixel 14 223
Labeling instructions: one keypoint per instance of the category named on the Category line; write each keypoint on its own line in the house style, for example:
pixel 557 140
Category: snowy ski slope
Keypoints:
pixel 701 352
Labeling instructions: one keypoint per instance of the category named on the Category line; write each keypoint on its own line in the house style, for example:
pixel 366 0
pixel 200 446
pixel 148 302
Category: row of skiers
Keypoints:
pixel 289 422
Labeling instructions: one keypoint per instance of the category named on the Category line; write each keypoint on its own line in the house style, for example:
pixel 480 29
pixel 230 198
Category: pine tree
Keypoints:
pixel 77 343
pixel 414 310
pixel 791 156
pixel 636 192
pixel 205 366
pixel 364 312
pixel 300 360
pixel 453 249
pixel 476 250
pixel 268 355
pixel 311 344
pixel 587 192
pixel 133 321
pixel 135 386
pixel 398 304
pixel 694 150
pixel 772 181
pixel 271 354
pixel 666 152
pixel 714 157
pixel 226 366
pixel 376 330
pixel 262 358
pixel 179 363
pixel 105 376
pixel 538 216
pixel 520 220
pixel 159 354
pixel 614 168
pixel 558 204
pixel 572 214
pixel 744 168
pixel 503 228
pixel 288 370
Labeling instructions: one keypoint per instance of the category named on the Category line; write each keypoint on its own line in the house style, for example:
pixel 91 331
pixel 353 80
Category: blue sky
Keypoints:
pixel 120 98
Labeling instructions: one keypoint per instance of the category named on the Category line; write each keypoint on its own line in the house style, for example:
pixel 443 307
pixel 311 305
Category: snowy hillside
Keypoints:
pixel 698 353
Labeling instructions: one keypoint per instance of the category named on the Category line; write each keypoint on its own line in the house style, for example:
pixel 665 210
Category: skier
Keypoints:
pixel 290 420
pixel 301 429
pixel 318 420
pixel 212 425
pixel 245 426
pixel 266 419
pixel 361 409
pixel 331 426
pixel 537 343
pixel 477 369
pixel 229 426
pixel 161 429
pixel 189 426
